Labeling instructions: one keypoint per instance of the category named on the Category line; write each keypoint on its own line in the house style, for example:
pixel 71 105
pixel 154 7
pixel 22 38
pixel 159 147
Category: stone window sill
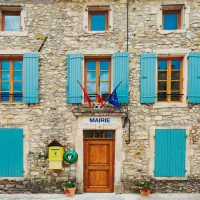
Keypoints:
pixel 9 33
pixel 170 105
pixel 165 32
pixel 99 32
pixel 172 178
pixel 12 178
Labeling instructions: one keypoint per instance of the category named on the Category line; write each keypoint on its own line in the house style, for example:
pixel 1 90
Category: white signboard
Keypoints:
pixel 100 120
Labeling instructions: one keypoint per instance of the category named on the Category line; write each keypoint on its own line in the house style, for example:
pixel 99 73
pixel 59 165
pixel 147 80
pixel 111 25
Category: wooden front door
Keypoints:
pixel 99 161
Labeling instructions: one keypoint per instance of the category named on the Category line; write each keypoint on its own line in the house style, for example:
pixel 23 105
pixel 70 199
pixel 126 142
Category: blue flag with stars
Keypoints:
pixel 113 99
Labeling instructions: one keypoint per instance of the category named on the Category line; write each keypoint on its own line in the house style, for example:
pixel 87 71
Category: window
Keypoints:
pixel 10 21
pixel 170 153
pixel 170 80
pixel 97 71
pixel 98 21
pixel 171 20
pixel 11 80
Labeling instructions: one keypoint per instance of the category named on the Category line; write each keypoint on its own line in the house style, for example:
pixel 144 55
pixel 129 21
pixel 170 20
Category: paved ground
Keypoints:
pixel 97 196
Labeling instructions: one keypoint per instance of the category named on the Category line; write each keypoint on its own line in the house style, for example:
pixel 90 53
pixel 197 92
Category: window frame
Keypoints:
pixel 179 21
pixel 91 12
pixel 11 71
pixel 14 13
pixel 169 70
pixel 97 59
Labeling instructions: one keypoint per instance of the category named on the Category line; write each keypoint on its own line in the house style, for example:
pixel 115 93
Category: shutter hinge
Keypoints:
pixel 154 136
pixel 185 170
pixel 186 136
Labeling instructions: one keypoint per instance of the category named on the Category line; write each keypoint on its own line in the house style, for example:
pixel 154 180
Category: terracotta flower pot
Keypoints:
pixel 145 192
pixel 70 191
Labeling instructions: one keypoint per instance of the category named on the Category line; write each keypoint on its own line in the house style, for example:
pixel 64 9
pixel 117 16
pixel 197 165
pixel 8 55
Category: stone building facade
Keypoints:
pixel 64 22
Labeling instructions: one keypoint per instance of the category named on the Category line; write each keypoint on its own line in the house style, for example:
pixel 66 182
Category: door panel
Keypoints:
pixel 98 165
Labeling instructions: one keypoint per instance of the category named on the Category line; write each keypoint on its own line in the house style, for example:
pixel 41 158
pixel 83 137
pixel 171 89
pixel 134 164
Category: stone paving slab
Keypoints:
pixel 97 196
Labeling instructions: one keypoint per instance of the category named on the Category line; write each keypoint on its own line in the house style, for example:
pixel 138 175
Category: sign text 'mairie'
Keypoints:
pixel 99 120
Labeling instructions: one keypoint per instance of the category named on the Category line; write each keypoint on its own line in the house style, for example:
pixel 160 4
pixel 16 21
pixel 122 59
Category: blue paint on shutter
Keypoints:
pixel 170 149
pixel 194 78
pixel 11 162
pixel 98 22
pixel 121 73
pixel 31 64
pixel 148 78
pixel 74 73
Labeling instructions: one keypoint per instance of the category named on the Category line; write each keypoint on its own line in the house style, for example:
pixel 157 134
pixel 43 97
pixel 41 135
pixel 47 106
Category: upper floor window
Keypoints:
pixel 11 21
pixel 170 76
pixel 11 80
pixel 172 16
pixel 97 73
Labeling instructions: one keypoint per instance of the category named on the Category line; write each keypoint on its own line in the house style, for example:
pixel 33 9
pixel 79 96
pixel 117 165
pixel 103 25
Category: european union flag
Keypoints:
pixel 113 99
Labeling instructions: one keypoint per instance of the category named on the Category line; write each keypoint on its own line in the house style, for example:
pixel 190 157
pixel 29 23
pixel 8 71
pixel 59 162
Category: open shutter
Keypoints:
pixel 121 73
pixel 74 73
pixel 31 63
pixel 11 162
pixel 170 149
pixel 148 78
pixel 194 78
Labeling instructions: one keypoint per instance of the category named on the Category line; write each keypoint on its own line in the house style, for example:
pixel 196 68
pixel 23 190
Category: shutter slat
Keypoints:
pixel 148 78
pixel 11 162
pixel 194 78
pixel 121 73
pixel 74 73
pixel 31 63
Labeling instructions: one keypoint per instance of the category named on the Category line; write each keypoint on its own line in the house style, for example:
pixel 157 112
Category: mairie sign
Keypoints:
pixel 100 120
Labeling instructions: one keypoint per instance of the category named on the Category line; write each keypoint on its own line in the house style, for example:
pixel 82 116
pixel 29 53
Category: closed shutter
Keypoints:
pixel 121 73
pixel 11 162
pixel 170 149
pixel 74 73
pixel 31 63
pixel 148 78
pixel 194 78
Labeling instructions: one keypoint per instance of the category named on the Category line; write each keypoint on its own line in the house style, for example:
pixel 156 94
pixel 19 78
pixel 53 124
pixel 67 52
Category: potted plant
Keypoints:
pixel 145 187
pixel 69 188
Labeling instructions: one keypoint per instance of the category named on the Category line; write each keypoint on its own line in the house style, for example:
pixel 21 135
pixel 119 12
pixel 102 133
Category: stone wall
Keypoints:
pixel 52 118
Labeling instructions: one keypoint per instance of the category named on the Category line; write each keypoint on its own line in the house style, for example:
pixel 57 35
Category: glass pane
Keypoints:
pixel 162 75
pixel 176 64
pixel 175 96
pixel 91 65
pixel 109 135
pixel 18 96
pixel 162 65
pixel 162 96
pixel 98 22
pixel 175 85
pixel 104 76
pixel 104 65
pixel 5 96
pixel 5 65
pixel 99 134
pixel 89 134
pixel 17 75
pixel 175 76
pixel 17 86
pixel 5 76
pixel 170 21
pixel 104 86
pixel 91 86
pixel 18 65
pixel 12 23
pixel 162 85
pixel 91 76
pixel 5 86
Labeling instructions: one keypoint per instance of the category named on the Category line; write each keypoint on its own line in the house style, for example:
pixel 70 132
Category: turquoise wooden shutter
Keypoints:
pixel 194 78
pixel 31 63
pixel 170 149
pixel 148 78
pixel 11 162
pixel 74 73
pixel 121 73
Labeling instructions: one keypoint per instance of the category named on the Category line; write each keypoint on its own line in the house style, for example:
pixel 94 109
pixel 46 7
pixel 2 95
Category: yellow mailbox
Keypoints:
pixel 56 151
